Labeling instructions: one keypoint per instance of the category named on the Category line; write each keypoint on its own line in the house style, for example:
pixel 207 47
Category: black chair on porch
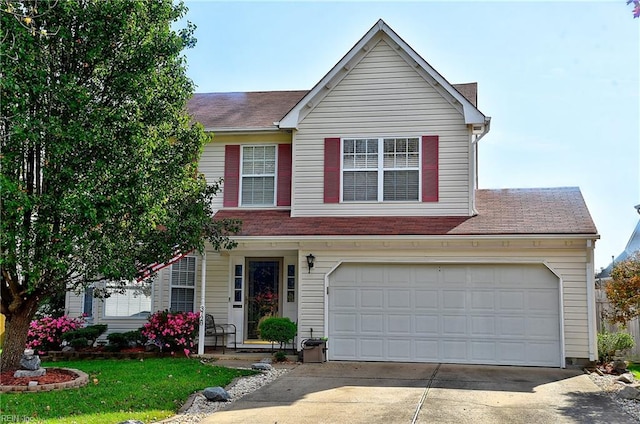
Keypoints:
pixel 219 331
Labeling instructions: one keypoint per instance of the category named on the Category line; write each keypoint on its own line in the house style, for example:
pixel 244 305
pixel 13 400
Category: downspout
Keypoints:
pixel 591 302
pixel 203 283
pixel 474 144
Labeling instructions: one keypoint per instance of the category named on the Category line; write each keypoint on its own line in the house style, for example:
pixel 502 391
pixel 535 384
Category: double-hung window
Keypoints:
pixel 183 284
pixel 381 169
pixel 258 175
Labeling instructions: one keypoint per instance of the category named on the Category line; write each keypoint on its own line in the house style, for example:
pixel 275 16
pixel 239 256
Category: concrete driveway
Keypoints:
pixel 357 392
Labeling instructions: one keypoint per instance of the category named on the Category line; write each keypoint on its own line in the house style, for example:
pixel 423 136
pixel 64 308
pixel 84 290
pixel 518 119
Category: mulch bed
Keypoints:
pixel 53 375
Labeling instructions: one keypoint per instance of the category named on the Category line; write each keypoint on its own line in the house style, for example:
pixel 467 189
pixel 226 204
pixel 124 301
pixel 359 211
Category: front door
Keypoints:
pixel 263 293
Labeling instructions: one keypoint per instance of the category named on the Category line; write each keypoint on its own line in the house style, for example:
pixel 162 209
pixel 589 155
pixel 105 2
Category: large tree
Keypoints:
pixel 623 290
pixel 99 158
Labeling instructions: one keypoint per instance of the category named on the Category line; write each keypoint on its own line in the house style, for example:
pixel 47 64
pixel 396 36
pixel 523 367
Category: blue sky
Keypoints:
pixel 559 79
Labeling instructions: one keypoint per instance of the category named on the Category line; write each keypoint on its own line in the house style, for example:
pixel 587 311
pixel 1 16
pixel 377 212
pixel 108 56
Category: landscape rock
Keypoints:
pixel 216 394
pixel 627 377
pixel 262 366
pixel 33 383
pixel 619 367
pixel 30 362
pixel 68 349
pixel 629 392
pixel 30 373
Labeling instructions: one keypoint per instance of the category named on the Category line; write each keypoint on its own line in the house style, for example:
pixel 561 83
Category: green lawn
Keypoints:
pixel 119 390
pixel 635 369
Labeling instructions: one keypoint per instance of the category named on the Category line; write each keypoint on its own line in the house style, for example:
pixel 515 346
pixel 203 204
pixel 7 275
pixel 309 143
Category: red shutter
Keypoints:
pixel 231 175
pixel 331 170
pixel 430 168
pixel 284 174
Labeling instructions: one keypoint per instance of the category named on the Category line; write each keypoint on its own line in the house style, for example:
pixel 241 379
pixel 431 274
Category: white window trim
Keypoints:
pixel 380 169
pixel 195 283
pixel 119 317
pixel 242 175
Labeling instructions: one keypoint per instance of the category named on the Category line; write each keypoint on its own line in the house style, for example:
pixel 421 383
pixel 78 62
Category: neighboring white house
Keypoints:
pixel 602 303
pixel 363 222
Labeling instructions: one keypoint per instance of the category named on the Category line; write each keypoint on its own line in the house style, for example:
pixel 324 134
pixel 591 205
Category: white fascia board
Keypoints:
pixel 242 130
pixel 471 114
pixel 291 119
pixel 490 237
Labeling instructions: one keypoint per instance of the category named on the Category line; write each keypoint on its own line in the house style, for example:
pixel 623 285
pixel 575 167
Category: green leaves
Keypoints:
pixel 99 161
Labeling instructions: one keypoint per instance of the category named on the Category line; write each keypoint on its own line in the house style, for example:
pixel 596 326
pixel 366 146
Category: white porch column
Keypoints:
pixel 203 284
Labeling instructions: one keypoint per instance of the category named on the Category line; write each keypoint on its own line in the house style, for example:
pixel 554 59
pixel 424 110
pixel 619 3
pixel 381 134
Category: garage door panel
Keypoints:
pixel 399 350
pixel 345 298
pixel 371 298
pixel 372 349
pixel 399 324
pixel 343 347
pixel 483 326
pixel 427 325
pixel 483 300
pixel 452 276
pixel 454 350
pixel 426 299
pixel 483 314
pixel 454 325
pixel 511 300
pixel 483 351
pixel 454 300
pixel 344 323
pixel 372 323
pixel 512 326
pixel 399 299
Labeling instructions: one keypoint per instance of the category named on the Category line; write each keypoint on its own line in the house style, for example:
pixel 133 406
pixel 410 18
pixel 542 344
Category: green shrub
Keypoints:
pixel 136 337
pixel 275 329
pixel 118 341
pixel 279 356
pixel 79 342
pixel 610 343
pixel 90 334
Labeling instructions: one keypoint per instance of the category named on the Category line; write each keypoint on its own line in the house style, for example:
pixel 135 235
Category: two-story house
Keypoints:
pixel 363 223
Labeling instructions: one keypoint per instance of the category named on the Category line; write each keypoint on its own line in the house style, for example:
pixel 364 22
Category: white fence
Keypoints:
pixel 633 327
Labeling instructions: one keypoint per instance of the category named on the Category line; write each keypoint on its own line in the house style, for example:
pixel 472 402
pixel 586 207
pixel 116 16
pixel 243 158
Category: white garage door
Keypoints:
pixel 474 314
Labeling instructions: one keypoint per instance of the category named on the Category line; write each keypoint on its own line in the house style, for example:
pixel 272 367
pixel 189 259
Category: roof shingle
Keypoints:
pixel 260 109
pixel 500 212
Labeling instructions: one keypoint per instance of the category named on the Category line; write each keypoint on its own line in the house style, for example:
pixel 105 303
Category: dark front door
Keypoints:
pixel 263 294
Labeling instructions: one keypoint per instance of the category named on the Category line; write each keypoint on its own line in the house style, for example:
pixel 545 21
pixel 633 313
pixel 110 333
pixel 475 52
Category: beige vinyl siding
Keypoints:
pixel 74 304
pixel 217 290
pixel 211 162
pixel 382 95
pixel 568 263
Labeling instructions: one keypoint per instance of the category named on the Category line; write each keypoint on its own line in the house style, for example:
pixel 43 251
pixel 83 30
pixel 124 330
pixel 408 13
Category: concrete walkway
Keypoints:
pixel 355 392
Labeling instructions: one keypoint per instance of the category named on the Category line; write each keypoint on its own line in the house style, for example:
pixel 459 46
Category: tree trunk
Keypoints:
pixel 17 326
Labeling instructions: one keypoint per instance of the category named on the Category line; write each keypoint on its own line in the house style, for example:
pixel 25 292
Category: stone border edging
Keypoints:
pixel 81 380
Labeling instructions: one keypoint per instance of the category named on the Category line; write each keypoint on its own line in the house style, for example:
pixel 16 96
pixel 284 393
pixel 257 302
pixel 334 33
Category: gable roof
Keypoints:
pixel 471 113
pixel 542 211
pixel 260 110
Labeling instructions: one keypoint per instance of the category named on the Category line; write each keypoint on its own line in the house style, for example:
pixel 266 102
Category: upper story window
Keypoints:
pixel 258 175
pixel 381 169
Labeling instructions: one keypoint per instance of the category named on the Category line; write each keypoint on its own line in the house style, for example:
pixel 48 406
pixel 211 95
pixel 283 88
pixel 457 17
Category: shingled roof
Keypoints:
pixel 258 110
pixel 500 212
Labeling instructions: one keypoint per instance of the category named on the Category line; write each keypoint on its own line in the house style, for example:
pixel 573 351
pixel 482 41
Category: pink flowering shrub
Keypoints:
pixel 45 334
pixel 172 331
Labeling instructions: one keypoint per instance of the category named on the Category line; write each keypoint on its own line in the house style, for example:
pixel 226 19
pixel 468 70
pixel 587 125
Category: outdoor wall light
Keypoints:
pixel 310 260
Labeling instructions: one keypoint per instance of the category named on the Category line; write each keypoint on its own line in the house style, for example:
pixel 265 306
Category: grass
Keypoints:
pixel 119 390
pixel 635 369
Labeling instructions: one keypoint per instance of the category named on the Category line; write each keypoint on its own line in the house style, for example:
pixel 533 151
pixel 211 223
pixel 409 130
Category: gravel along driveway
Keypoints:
pixel 457 394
